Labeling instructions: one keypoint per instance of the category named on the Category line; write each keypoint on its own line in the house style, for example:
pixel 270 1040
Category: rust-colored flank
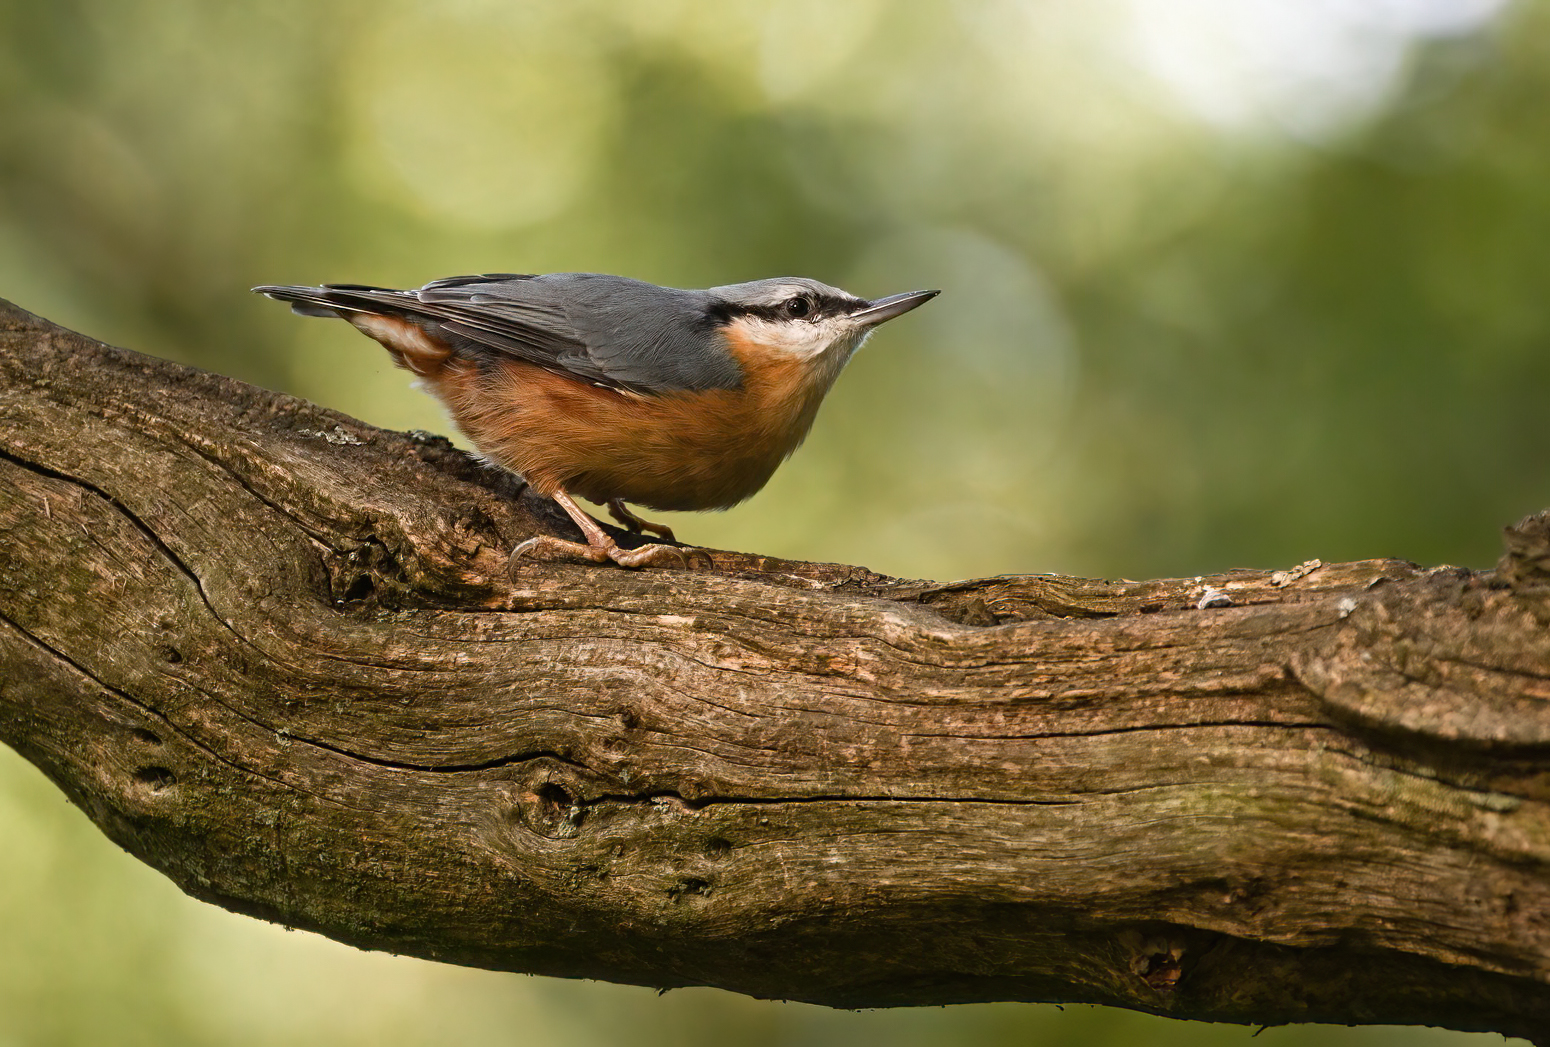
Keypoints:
pixel 667 451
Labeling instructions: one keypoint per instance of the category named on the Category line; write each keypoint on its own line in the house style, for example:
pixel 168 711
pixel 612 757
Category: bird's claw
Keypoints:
pixel 662 531
pixel 621 513
pixel 548 548
pixel 654 555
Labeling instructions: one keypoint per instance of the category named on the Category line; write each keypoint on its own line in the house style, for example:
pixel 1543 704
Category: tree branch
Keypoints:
pixel 276 654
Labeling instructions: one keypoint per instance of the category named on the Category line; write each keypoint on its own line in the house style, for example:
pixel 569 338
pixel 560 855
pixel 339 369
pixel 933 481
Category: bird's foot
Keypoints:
pixel 626 518
pixel 656 555
pixel 546 547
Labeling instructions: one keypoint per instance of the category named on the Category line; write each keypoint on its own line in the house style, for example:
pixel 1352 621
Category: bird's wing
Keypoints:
pixel 604 330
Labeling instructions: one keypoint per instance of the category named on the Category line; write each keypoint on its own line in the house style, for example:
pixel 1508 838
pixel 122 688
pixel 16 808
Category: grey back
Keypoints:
pixel 607 329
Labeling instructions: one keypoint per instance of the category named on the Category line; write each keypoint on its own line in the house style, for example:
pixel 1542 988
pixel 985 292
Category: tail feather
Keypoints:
pixel 374 311
pixel 328 300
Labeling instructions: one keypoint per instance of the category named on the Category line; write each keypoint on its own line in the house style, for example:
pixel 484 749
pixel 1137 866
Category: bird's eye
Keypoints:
pixel 798 307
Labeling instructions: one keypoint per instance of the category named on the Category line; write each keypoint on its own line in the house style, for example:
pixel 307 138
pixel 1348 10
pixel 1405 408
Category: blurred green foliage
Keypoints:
pixel 1168 344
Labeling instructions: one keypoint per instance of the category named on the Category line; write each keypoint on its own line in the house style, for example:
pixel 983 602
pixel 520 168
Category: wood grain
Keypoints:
pixel 277 654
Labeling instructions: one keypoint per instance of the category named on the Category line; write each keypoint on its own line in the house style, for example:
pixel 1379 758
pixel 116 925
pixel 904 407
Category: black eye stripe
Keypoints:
pixel 821 307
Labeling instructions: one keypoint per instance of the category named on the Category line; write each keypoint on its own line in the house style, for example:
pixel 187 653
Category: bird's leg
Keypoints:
pixel 621 512
pixel 599 546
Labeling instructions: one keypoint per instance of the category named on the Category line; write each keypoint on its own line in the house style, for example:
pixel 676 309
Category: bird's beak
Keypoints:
pixel 894 305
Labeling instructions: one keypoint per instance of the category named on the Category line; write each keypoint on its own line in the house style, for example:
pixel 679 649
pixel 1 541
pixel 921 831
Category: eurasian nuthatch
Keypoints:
pixel 617 390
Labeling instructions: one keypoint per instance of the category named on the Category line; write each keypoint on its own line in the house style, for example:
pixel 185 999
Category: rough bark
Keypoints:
pixel 277 654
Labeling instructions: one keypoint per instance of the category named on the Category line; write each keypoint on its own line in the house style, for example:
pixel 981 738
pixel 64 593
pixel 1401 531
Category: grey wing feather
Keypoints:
pixel 648 337
pixel 607 330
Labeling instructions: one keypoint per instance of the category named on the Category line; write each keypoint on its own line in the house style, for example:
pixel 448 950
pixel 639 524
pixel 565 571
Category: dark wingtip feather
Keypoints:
pixel 305 301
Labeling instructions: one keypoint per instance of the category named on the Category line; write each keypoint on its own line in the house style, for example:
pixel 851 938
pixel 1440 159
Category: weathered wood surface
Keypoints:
pixel 276 653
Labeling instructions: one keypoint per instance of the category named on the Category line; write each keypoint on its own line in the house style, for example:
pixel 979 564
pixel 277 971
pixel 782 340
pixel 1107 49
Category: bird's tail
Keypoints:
pixel 384 314
pixel 331 299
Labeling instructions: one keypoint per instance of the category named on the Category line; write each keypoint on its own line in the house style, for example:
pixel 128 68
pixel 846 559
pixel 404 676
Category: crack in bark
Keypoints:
pixel 700 802
pixel 150 713
pixel 146 532
pixel 1289 725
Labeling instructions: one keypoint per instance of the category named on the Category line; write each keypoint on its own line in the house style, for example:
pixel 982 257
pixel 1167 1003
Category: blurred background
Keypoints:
pixel 1227 283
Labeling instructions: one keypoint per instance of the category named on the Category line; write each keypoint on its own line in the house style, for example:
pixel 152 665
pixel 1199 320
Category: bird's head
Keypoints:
pixel 802 319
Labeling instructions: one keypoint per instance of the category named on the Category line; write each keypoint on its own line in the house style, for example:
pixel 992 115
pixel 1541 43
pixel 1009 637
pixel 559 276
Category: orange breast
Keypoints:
pixel 673 451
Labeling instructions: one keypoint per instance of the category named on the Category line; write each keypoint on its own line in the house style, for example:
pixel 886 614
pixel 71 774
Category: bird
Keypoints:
pixel 618 390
